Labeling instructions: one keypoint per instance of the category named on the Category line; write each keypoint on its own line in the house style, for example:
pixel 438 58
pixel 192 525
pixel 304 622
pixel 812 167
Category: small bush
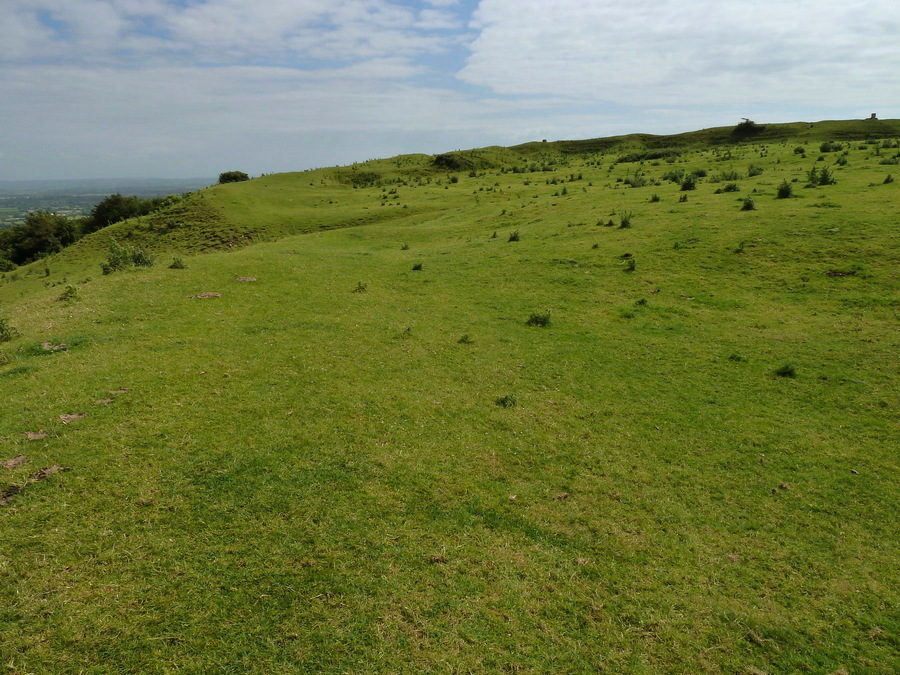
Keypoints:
pixel 654 198
pixel 121 257
pixel 507 401
pixel 799 150
pixel 689 183
pixel 177 264
pixel 541 320
pixel 754 170
pixel 404 246
pixel 625 219
pixel 465 340
pixel 361 287
pixel 748 205
pixel 417 267
pixel 731 187
pixel 787 370
pixel 889 179
pixel 514 236
pixel 682 199
pixel 736 357
pixel 785 190
pixel 7 332
pixel 630 265
pixel 71 294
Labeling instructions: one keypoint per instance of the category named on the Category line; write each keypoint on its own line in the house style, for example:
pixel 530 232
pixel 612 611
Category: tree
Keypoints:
pixel 232 177
pixel 41 234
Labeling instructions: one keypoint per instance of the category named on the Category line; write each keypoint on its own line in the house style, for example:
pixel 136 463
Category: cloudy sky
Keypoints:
pixel 190 88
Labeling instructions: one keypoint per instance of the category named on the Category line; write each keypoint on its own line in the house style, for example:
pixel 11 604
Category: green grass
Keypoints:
pixel 304 478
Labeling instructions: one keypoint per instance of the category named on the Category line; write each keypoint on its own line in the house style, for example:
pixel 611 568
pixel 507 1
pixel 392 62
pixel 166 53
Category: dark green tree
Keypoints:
pixel 232 177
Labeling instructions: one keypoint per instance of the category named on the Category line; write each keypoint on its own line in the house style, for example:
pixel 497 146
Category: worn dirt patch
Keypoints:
pixel 120 390
pixel 14 462
pixel 35 435
pixel 105 401
pixel 246 278
pixel 210 294
pixel 10 491
pixel 50 347
pixel 71 418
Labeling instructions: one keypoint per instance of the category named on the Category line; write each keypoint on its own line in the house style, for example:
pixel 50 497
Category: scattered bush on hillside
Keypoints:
pixel 541 320
pixel 785 190
pixel 748 205
pixel 71 294
pixel 689 183
pixel 232 177
pixel 654 198
pixel 361 287
pixel 682 199
pixel 630 265
pixel 889 179
pixel 177 264
pixel 799 150
pixel 417 267
pixel 821 176
pixel 465 339
pixel 514 236
pixel 754 170
pixel 830 146
pixel 121 257
pixel 507 401
pixel 7 332
pixel 625 218
pixel 787 370
pixel 731 187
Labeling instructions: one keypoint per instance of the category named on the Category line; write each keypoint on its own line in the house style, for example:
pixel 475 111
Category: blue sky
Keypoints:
pixel 183 88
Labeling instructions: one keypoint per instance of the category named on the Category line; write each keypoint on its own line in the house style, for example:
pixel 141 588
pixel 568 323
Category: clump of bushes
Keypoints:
pixel 625 218
pixel 506 401
pixel 122 257
pixel 514 236
pixel 747 204
pixel 71 294
pixel 821 176
pixel 785 190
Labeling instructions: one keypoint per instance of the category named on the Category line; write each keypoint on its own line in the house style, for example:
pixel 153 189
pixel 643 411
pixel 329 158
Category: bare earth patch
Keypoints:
pixel 35 435
pixel 10 491
pixel 71 418
pixel 50 347
pixel 14 462
pixel 105 401
pixel 120 390
pixel 246 278
pixel 210 294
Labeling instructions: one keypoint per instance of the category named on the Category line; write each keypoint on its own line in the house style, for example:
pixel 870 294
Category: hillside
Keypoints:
pixel 577 406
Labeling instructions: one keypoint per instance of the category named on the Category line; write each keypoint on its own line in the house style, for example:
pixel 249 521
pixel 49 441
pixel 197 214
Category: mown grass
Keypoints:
pixel 300 478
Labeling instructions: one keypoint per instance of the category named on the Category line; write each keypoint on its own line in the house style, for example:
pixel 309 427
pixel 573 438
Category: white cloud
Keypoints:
pixel 687 53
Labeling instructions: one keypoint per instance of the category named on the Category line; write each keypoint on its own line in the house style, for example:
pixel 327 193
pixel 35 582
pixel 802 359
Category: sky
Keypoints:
pixel 192 88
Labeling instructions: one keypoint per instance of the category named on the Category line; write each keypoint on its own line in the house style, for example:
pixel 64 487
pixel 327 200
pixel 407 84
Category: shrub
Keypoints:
pixel 625 219
pixel 842 160
pixel 7 332
pixel 682 199
pixel 748 205
pixel 121 257
pixel 889 179
pixel 361 287
pixel 177 264
pixel 785 190
pixel 417 267
pixel 830 146
pixel 404 246
pixel 232 177
pixel 787 370
pixel 541 320
pixel 654 198
pixel 507 401
pixel 630 265
pixel 465 339
pixel 799 150
pixel 689 183
pixel 514 236
pixel 754 170
pixel 71 294
pixel 731 187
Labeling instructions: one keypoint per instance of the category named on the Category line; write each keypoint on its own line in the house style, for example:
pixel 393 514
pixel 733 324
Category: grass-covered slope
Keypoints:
pixel 365 459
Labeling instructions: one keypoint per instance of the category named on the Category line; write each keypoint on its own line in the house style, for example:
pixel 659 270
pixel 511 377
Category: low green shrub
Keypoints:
pixel 506 401
pixel 539 319
pixel 71 294
pixel 514 236
pixel 785 190
pixel 7 331
pixel 787 370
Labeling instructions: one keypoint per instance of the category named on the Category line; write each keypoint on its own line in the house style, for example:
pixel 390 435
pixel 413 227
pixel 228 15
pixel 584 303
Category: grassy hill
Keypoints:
pixel 564 407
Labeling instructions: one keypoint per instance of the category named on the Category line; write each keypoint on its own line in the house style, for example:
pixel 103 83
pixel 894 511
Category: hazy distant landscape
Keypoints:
pixel 77 197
